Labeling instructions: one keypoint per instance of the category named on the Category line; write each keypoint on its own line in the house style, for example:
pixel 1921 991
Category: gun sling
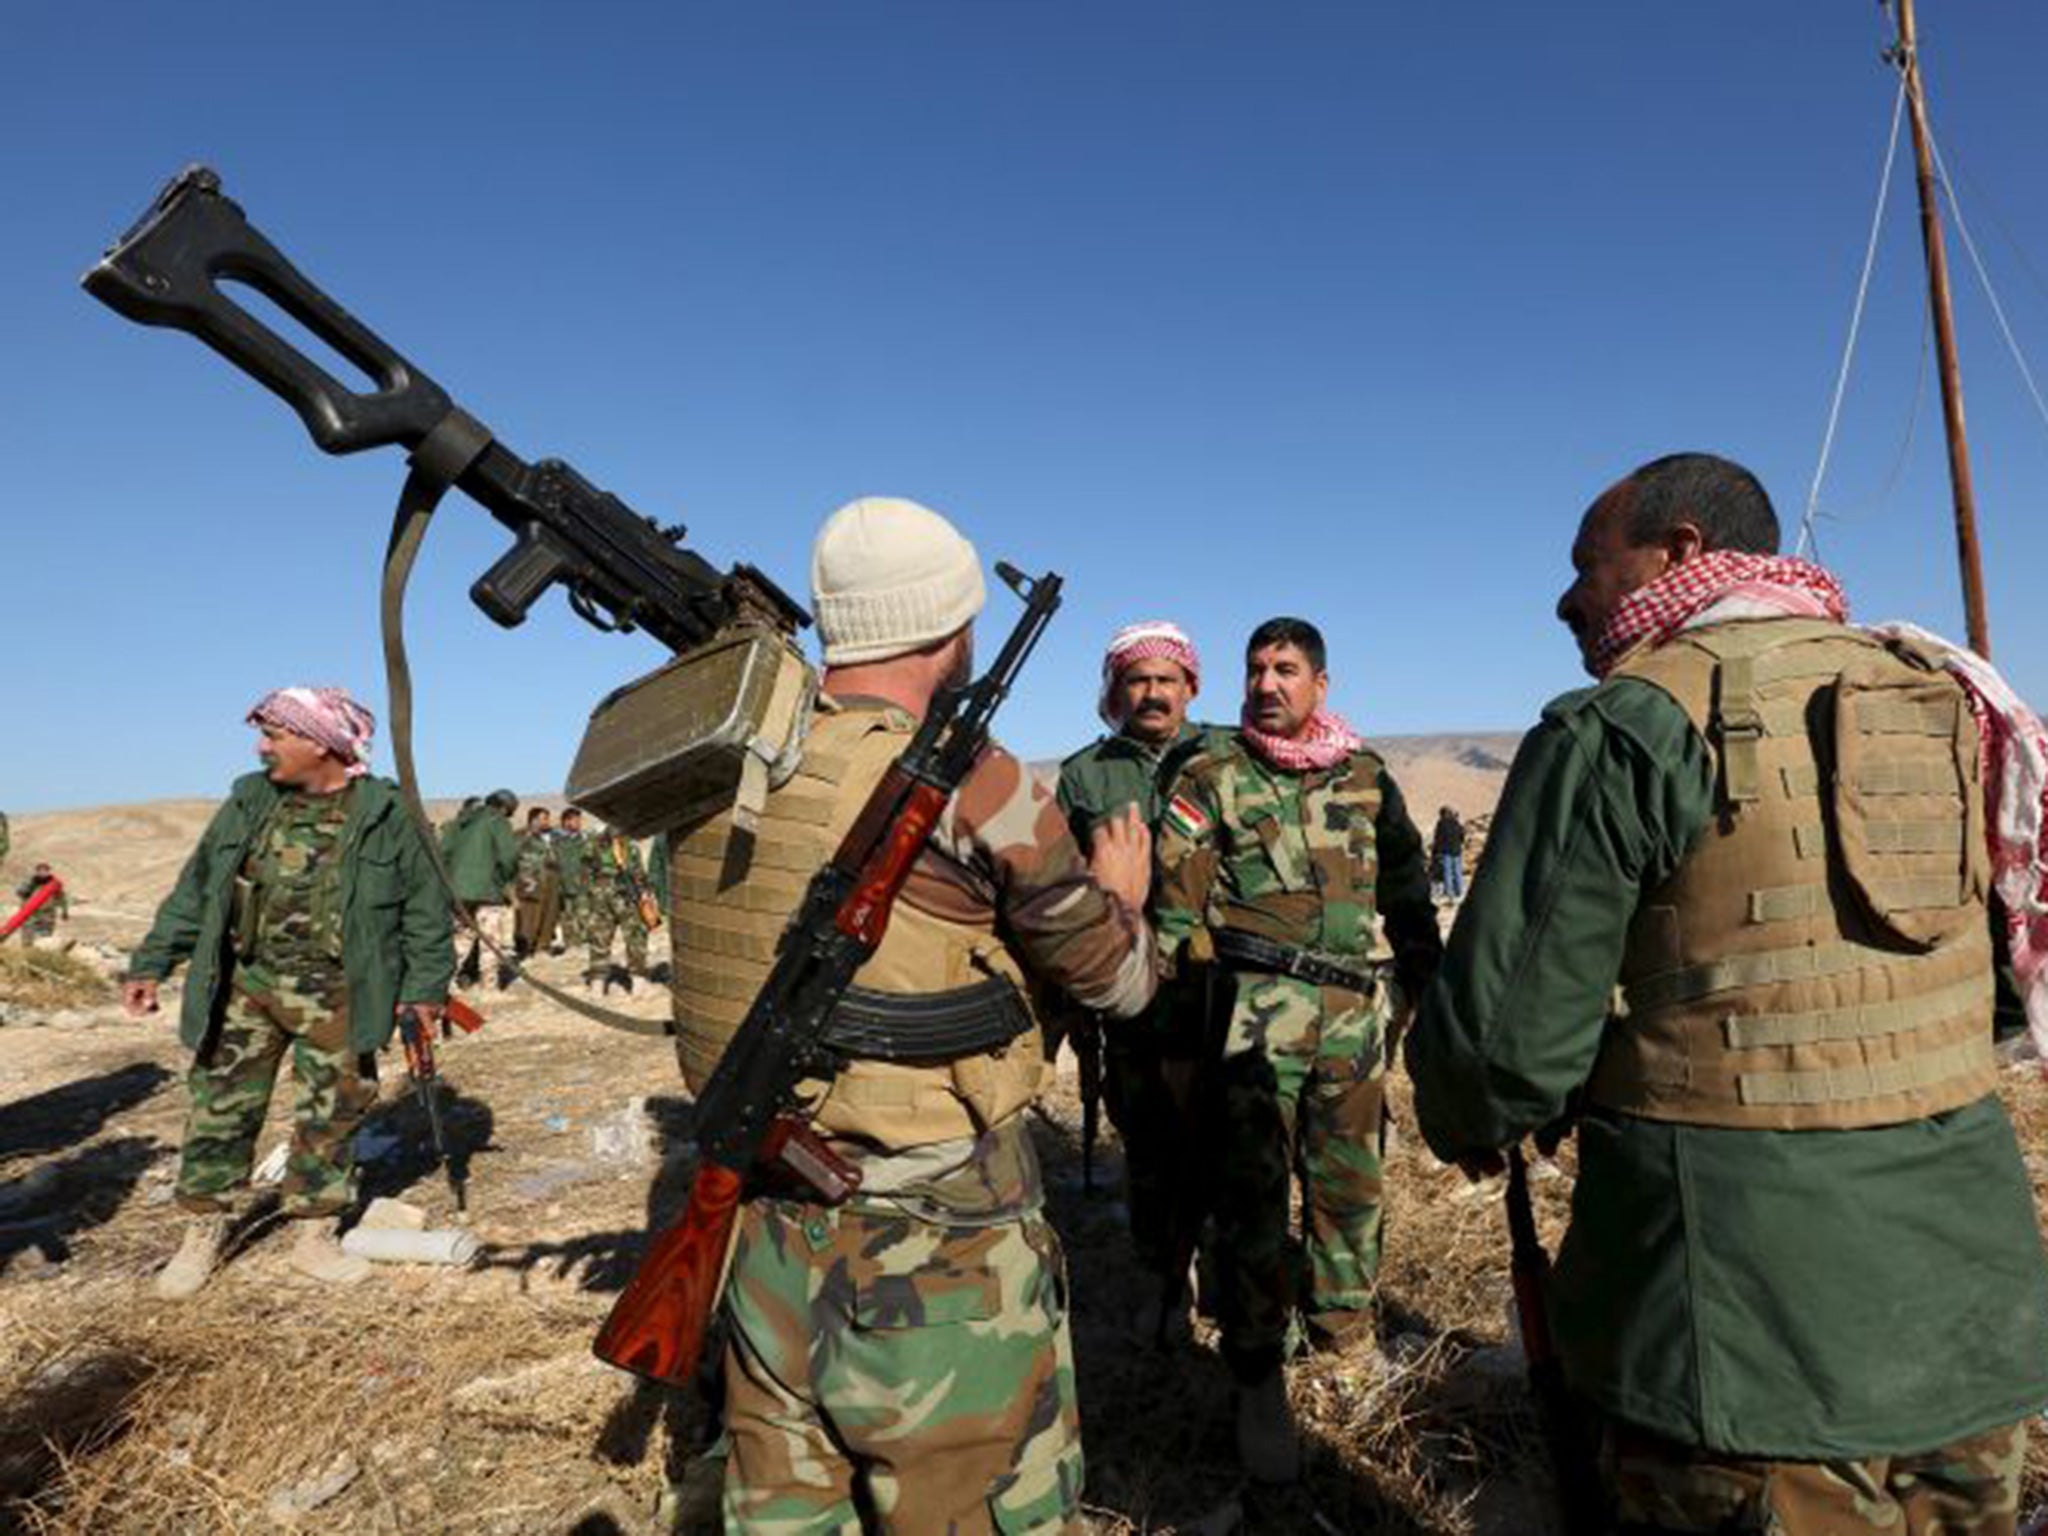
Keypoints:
pixel 1242 951
pixel 926 1027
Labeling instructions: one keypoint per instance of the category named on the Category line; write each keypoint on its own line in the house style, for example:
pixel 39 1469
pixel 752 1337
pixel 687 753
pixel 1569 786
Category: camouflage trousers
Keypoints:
pixel 606 915
pixel 230 1088
pixel 1306 1104
pixel 575 916
pixel 1970 1488
pixel 884 1372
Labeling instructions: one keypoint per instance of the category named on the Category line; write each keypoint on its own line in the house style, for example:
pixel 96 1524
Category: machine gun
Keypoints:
pixel 748 1117
pixel 621 570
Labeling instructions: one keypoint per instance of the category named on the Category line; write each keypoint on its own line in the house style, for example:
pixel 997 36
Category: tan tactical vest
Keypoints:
pixel 730 903
pixel 1820 960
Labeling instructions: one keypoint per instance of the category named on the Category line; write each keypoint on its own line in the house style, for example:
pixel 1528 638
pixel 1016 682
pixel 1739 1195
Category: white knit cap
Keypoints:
pixel 888 576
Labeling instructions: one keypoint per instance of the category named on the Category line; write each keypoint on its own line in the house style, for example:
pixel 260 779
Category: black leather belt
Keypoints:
pixel 927 1026
pixel 1242 951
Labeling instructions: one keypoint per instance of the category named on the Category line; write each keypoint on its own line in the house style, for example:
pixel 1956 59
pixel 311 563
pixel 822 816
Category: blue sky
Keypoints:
pixel 1221 310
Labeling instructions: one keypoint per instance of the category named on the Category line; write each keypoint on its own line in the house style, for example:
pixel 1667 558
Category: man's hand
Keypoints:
pixel 139 997
pixel 429 1013
pixel 1120 857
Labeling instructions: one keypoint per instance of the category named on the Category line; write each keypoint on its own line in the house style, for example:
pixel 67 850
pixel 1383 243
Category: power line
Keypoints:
pixel 1827 442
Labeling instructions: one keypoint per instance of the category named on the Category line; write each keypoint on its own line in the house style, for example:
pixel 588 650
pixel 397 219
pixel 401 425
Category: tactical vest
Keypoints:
pixel 732 896
pixel 1820 959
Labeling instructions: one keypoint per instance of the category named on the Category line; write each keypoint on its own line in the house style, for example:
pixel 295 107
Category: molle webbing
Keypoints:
pixel 931 1033
pixel 1820 959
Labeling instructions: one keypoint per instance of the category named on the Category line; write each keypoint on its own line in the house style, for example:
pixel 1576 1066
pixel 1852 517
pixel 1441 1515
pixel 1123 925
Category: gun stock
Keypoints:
pixel 657 1326
pixel 621 570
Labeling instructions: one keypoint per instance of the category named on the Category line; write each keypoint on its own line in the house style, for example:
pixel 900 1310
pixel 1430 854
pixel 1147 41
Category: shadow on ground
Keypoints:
pixel 46 1209
pixel 63 1117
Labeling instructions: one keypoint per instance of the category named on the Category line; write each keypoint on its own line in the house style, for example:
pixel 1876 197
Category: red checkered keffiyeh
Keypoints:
pixel 1748 586
pixel 326 716
pixel 1324 743
pixel 1150 640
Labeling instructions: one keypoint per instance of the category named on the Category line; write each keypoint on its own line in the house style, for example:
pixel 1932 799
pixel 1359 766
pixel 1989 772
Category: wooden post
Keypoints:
pixel 1906 56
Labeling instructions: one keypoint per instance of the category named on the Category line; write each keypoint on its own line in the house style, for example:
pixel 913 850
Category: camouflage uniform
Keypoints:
pixel 288 989
pixel 1140 1089
pixel 1968 1488
pixel 904 1357
pixel 1308 860
pixel 572 873
pixel 536 890
pixel 616 874
pixel 42 923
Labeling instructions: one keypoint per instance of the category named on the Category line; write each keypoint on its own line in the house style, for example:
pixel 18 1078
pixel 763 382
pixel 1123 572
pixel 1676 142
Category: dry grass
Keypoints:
pixel 465 1403
pixel 46 979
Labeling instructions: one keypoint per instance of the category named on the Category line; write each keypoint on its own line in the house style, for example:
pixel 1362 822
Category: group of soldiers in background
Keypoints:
pixel 1757 989
pixel 546 888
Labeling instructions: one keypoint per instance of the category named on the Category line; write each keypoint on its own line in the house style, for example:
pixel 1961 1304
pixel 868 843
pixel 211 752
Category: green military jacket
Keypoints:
pixel 482 853
pixel 1316 860
pixel 536 858
pixel 1115 771
pixel 1792 1294
pixel 395 929
pixel 572 861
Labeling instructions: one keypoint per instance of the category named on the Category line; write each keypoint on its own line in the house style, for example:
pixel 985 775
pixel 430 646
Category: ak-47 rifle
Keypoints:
pixel 418 1039
pixel 749 1119
pixel 621 570
pixel 1573 1464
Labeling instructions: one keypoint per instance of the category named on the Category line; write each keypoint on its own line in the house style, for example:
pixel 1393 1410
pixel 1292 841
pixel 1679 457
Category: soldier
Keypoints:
pixel 1277 852
pixel 618 877
pixel 6 839
pixel 482 855
pixel 42 923
pixel 1732 915
pixel 1150 674
pixel 536 886
pixel 309 915
pixel 902 1360
pixel 572 860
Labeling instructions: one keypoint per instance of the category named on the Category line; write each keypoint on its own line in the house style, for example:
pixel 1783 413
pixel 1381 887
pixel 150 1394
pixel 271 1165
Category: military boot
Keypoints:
pixel 198 1256
pixel 1268 1445
pixel 317 1253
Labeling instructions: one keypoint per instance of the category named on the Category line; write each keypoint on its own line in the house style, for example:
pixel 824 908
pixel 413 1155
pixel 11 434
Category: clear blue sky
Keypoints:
pixel 1222 310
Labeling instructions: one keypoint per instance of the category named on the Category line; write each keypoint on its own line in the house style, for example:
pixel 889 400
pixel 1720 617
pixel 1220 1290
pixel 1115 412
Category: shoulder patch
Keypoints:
pixel 1186 817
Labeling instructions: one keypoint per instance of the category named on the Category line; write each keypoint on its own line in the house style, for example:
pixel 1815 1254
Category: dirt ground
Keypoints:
pixel 440 1400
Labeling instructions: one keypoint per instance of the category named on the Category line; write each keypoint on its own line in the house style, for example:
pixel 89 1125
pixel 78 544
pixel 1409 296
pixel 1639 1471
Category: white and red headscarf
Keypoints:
pixel 1148 640
pixel 1325 741
pixel 326 716
pixel 1724 585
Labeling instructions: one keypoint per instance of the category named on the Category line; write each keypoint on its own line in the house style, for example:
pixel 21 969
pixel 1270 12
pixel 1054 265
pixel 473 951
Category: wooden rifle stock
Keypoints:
pixel 657 1326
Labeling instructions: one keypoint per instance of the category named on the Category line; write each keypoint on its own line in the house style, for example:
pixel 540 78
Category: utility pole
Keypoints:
pixel 1905 56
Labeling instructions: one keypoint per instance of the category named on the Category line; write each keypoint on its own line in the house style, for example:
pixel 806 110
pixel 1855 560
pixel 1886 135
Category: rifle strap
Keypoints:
pixel 438 462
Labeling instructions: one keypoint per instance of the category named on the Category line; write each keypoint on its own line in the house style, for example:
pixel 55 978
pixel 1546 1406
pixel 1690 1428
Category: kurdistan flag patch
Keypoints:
pixel 1186 817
